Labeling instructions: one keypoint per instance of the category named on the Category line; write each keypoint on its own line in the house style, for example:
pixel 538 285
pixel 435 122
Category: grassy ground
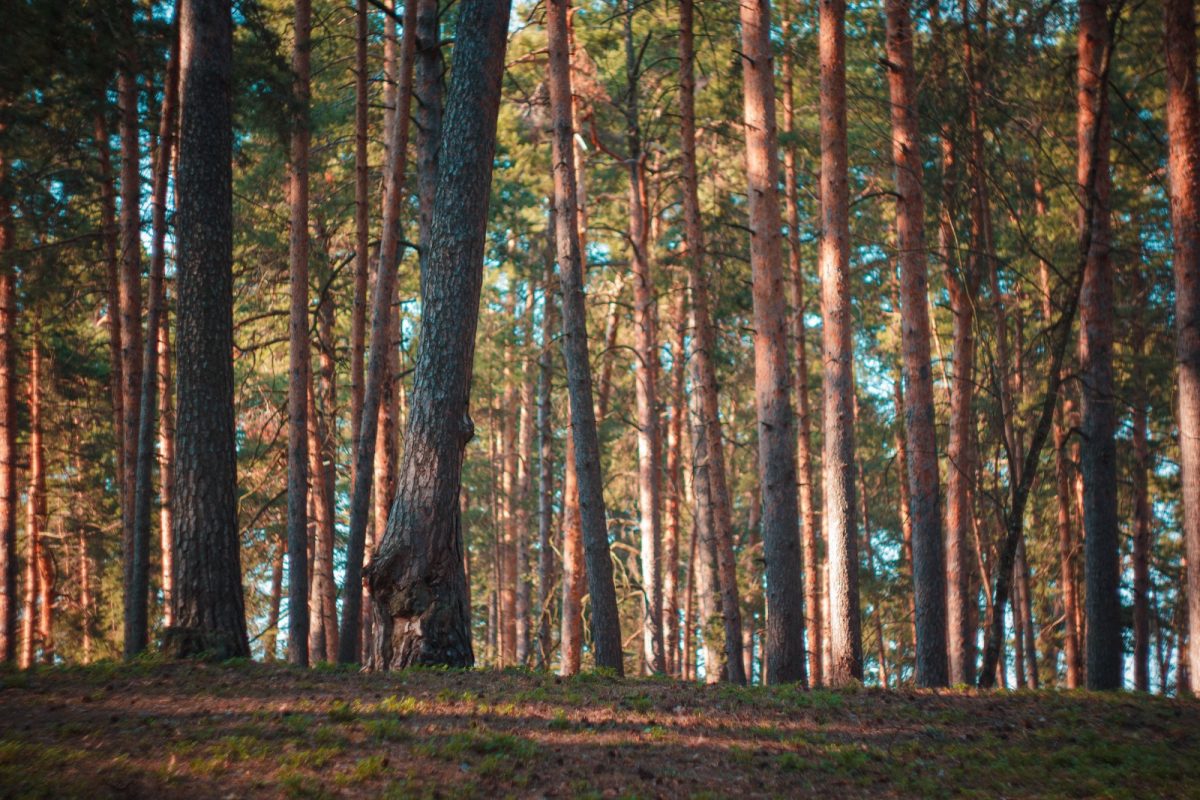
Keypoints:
pixel 252 730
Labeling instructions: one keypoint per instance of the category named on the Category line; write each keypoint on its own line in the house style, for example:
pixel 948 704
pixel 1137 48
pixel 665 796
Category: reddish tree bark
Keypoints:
pixel 845 623
pixel 674 476
pixel 1183 129
pixel 8 427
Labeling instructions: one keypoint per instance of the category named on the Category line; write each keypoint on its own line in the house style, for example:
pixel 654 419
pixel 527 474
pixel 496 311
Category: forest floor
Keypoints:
pixel 251 730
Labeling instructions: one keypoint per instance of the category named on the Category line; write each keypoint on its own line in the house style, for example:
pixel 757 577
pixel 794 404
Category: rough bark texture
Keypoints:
pixel 417 580
pixel 209 608
pixel 545 446
pixel 674 477
pixel 377 365
pixel 809 521
pixel 574 578
pixel 8 428
pixel 704 556
pixel 137 622
pixel 1098 453
pixel 429 91
pixel 845 623
pixel 708 454
pixel 606 631
pixel 1183 128
pixel 929 575
pixel 299 359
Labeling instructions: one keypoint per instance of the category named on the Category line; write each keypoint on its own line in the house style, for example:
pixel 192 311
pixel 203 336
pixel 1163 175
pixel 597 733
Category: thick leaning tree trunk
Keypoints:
pixel 209 609
pixel 929 575
pixel 1183 129
pixel 417 580
pixel 378 371
pixel 1098 452
pixel 785 656
pixel 606 625
pixel 708 455
pixel 845 621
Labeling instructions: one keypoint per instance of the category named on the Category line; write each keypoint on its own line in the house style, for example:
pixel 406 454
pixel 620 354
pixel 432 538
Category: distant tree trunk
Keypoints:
pixel 845 623
pixel 362 231
pixel 573 567
pixel 810 522
pixel 270 635
pixel 507 419
pixel 929 575
pixel 687 649
pixel 546 454
pixel 646 369
pixel 606 631
pixel 40 572
pixel 209 608
pixel 138 588
pixel 8 427
pixel 674 476
pixel 322 619
pixel 110 236
pixel 382 327
pixel 1098 419
pixel 704 555
pixel 85 598
pixel 1183 128
pixel 868 545
pixel 905 509
pixel 300 628
pixel 708 452
pixel 417 581
pixel 166 461
pixel 524 486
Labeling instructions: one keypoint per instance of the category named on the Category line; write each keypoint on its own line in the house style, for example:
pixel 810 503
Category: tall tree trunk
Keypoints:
pixel 417 581
pixel 785 656
pixel 166 461
pixel 708 454
pixel 646 368
pixel 674 476
pixel 8 426
pixel 299 359
pixel 929 574
pixel 905 509
pixel 1183 128
pixel 546 454
pixel 110 236
pixel 524 486
pixel 429 89
pixel 704 555
pixel 868 545
pixel 573 568
pixel 382 327
pixel 606 631
pixel 209 607
pixel 138 589
pixel 809 520
pixel 1098 456
pixel 507 419
pixel 40 574
pixel 362 231
pixel 845 623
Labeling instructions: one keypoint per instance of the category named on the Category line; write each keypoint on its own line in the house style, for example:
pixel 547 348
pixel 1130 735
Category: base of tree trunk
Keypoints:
pixel 420 622
pixel 201 643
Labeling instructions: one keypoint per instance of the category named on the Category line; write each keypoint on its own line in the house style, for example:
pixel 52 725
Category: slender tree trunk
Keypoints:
pixel 209 607
pixel 687 648
pixel 85 598
pixel 704 554
pixel 8 427
pixel 809 520
pixel 1183 128
pixel 546 454
pixel 300 628
pixel 138 588
pixel 708 452
pixel 845 623
pixel 606 632
pixel 429 89
pixel 110 236
pixel 1098 418
pixel 417 580
pixel 674 476
pixel 524 487
pixel 271 632
pixel 507 418
pixel 573 568
pixel 40 573
pixel 929 574
pixel 362 230
pixel 382 327
pixel 166 461
pixel 868 545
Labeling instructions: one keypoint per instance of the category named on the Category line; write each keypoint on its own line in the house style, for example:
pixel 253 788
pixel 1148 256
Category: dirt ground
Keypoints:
pixel 183 730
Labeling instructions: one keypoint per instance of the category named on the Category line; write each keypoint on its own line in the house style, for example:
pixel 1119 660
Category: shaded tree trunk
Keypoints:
pixel 929 574
pixel 1183 128
pixel 606 632
pixel 573 568
pixel 1098 453
pixel 845 623
pixel 209 607
pixel 545 445
pixel 674 476
pixel 110 237
pixel 362 231
pixel 416 578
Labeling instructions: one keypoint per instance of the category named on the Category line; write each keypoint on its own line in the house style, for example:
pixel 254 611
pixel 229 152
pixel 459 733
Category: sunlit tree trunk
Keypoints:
pixel 1183 129
pixel 674 477
pixel 209 607
pixel 41 568
pixel 573 569
pixel 606 632
pixel 845 623
pixel 545 446
pixel 8 426
pixel 1098 455
pixel 166 460
pixel 417 577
